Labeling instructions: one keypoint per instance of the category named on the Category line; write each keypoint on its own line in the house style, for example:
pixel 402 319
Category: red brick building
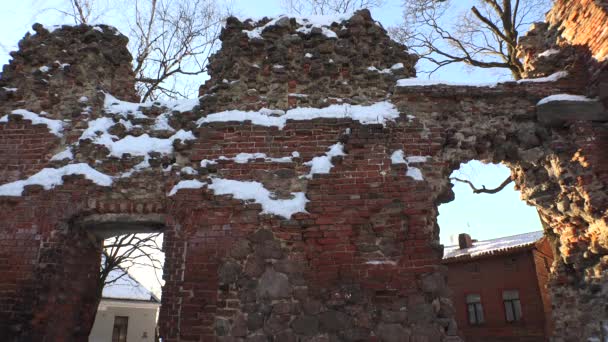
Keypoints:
pixel 499 287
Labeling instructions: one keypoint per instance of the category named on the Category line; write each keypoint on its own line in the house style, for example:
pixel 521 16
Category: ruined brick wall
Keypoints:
pixel 543 260
pixel 299 194
pixel 575 34
pixel 49 269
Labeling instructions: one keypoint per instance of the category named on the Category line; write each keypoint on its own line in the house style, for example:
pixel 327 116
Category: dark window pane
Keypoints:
pixel 517 309
pixel 119 333
pixel 509 311
pixel 472 317
pixel 479 310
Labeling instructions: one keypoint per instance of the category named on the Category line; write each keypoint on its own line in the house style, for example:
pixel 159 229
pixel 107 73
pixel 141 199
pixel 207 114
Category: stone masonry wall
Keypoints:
pixel 299 193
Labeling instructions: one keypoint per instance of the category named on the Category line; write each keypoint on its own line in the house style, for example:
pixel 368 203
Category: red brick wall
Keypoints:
pixel 543 260
pixel 497 273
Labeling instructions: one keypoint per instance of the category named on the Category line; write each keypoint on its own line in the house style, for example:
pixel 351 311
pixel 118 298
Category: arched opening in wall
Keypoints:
pixel 497 257
pixel 484 216
pixel 130 276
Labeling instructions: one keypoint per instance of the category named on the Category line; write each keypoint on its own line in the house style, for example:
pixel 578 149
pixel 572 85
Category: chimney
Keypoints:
pixel 464 241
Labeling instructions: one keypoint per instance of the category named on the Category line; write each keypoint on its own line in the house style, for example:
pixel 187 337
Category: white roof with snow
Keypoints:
pixel 126 287
pixel 492 246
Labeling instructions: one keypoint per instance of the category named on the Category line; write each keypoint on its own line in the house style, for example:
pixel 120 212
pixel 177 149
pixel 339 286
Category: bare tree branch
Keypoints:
pixel 324 7
pixel 483 189
pixel 170 40
pixel 485 36
pixel 120 253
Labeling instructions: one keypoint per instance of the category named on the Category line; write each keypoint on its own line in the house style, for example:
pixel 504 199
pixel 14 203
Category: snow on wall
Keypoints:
pixel 54 126
pixel 244 158
pixel 398 157
pixel 49 178
pixel 186 184
pixel 322 22
pixel 418 82
pixel 255 191
pixel 323 164
pixel 378 113
pixel 564 97
pixel 65 154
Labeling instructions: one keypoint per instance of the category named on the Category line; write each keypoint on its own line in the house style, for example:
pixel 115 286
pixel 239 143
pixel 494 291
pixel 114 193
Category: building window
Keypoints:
pixel 512 305
pixel 474 309
pixel 119 334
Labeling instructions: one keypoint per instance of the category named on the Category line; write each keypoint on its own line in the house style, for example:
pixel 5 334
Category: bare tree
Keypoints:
pixel 123 252
pixel 83 11
pixel 324 7
pixel 171 40
pixel 485 36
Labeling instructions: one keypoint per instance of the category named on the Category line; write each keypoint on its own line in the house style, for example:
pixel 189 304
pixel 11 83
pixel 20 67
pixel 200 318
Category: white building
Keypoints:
pixel 128 312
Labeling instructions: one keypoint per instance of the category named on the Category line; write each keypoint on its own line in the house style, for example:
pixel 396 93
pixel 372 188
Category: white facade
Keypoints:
pixel 141 323
pixel 135 305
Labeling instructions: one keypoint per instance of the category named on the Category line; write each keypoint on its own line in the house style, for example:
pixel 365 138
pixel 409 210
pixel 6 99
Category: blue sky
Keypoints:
pixel 482 216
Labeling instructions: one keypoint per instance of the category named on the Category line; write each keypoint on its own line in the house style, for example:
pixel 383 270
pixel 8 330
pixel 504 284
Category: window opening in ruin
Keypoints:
pixel 512 305
pixel 130 261
pixel 484 216
pixel 474 309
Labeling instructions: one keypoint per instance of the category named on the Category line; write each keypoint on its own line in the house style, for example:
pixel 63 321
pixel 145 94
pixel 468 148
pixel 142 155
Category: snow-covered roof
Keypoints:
pixel 126 287
pixel 492 246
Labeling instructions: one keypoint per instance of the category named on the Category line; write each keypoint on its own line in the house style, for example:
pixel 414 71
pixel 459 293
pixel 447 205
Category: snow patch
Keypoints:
pixel 51 28
pixel 62 65
pixel 322 22
pixel 398 157
pixel 9 90
pixel 207 162
pixel 378 113
pixel 551 78
pixel 142 145
pixel 548 53
pixel 381 262
pixel 415 173
pixel 244 158
pixel 161 123
pixel 417 159
pixel 54 126
pixel 323 164
pixel 49 178
pixel 113 105
pixel 65 154
pixel 255 191
pixel 186 184
pixel 564 97
pixel 44 68
pixel 387 70
pixel 419 82
pixel 189 170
